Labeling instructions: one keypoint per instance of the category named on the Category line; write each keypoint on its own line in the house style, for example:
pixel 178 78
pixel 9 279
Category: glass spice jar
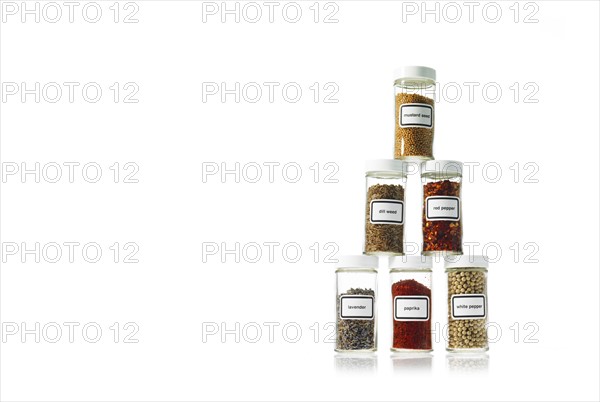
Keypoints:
pixel 442 215
pixel 467 303
pixel 384 211
pixel 414 92
pixel 411 303
pixel 356 308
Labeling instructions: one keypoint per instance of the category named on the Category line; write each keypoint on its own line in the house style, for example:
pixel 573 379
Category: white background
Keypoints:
pixel 176 292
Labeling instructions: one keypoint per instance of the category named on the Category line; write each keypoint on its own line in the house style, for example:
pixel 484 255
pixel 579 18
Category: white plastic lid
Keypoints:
pixel 442 167
pixel 466 261
pixel 358 261
pixel 414 73
pixel 411 261
pixel 385 165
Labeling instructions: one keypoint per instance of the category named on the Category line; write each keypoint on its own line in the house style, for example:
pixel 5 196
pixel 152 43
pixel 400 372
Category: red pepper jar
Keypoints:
pixel 442 215
pixel 411 308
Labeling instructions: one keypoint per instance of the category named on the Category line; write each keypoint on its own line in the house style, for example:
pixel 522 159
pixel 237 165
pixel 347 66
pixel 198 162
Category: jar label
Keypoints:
pixel 415 115
pixel 468 307
pixel 411 308
pixel 442 208
pixel 356 307
pixel 387 212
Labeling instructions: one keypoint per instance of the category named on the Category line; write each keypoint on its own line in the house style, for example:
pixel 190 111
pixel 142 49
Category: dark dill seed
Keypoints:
pixel 383 238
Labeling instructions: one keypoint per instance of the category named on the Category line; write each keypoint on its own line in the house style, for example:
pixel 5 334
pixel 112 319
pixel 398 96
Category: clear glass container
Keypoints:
pixel 411 303
pixel 414 96
pixel 442 212
pixel 467 303
pixel 385 208
pixel 356 304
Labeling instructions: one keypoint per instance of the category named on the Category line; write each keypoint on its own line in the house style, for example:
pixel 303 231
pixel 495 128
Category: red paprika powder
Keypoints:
pixel 411 311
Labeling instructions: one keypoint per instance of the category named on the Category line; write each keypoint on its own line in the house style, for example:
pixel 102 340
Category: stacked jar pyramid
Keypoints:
pixel 411 275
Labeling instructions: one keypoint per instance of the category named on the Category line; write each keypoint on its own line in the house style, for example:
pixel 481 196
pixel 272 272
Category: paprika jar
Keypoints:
pixel 384 216
pixel 414 90
pixel 442 214
pixel 467 303
pixel 411 303
pixel 356 307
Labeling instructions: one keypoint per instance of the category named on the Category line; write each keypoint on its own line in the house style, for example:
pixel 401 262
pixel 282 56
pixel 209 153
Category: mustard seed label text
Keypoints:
pixel 416 115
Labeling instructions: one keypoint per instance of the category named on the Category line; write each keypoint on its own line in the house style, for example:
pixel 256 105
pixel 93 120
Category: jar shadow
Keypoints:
pixel 355 363
pixel 412 363
pixel 468 363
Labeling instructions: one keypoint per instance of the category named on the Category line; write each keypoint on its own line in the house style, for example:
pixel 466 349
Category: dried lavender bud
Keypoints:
pixel 413 141
pixel 354 334
pixel 383 237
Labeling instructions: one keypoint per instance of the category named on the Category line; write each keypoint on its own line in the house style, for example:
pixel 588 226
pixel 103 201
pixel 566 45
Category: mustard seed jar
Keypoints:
pixel 414 91
pixel 384 211
pixel 467 303
pixel 442 214
pixel 356 304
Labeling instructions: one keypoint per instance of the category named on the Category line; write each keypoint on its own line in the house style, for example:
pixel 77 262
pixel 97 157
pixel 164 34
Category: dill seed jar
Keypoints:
pixel 384 211
pixel 442 214
pixel 356 307
pixel 467 303
pixel 411 303
pixel 414 89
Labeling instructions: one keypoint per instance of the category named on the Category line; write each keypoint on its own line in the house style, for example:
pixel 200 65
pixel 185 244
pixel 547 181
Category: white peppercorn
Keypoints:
pixel 467 303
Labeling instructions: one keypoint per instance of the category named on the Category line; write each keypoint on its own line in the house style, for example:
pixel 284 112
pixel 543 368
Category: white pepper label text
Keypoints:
pixel 468 307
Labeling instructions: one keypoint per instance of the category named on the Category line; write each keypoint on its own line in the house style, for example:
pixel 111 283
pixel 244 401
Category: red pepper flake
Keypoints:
pixel 441 235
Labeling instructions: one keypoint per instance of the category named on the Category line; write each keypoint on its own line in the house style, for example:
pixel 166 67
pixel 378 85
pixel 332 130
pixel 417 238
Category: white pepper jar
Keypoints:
pixel 467 303
pixel 385 208
pixel 414 92
pixel 442 207
pixel 356 304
